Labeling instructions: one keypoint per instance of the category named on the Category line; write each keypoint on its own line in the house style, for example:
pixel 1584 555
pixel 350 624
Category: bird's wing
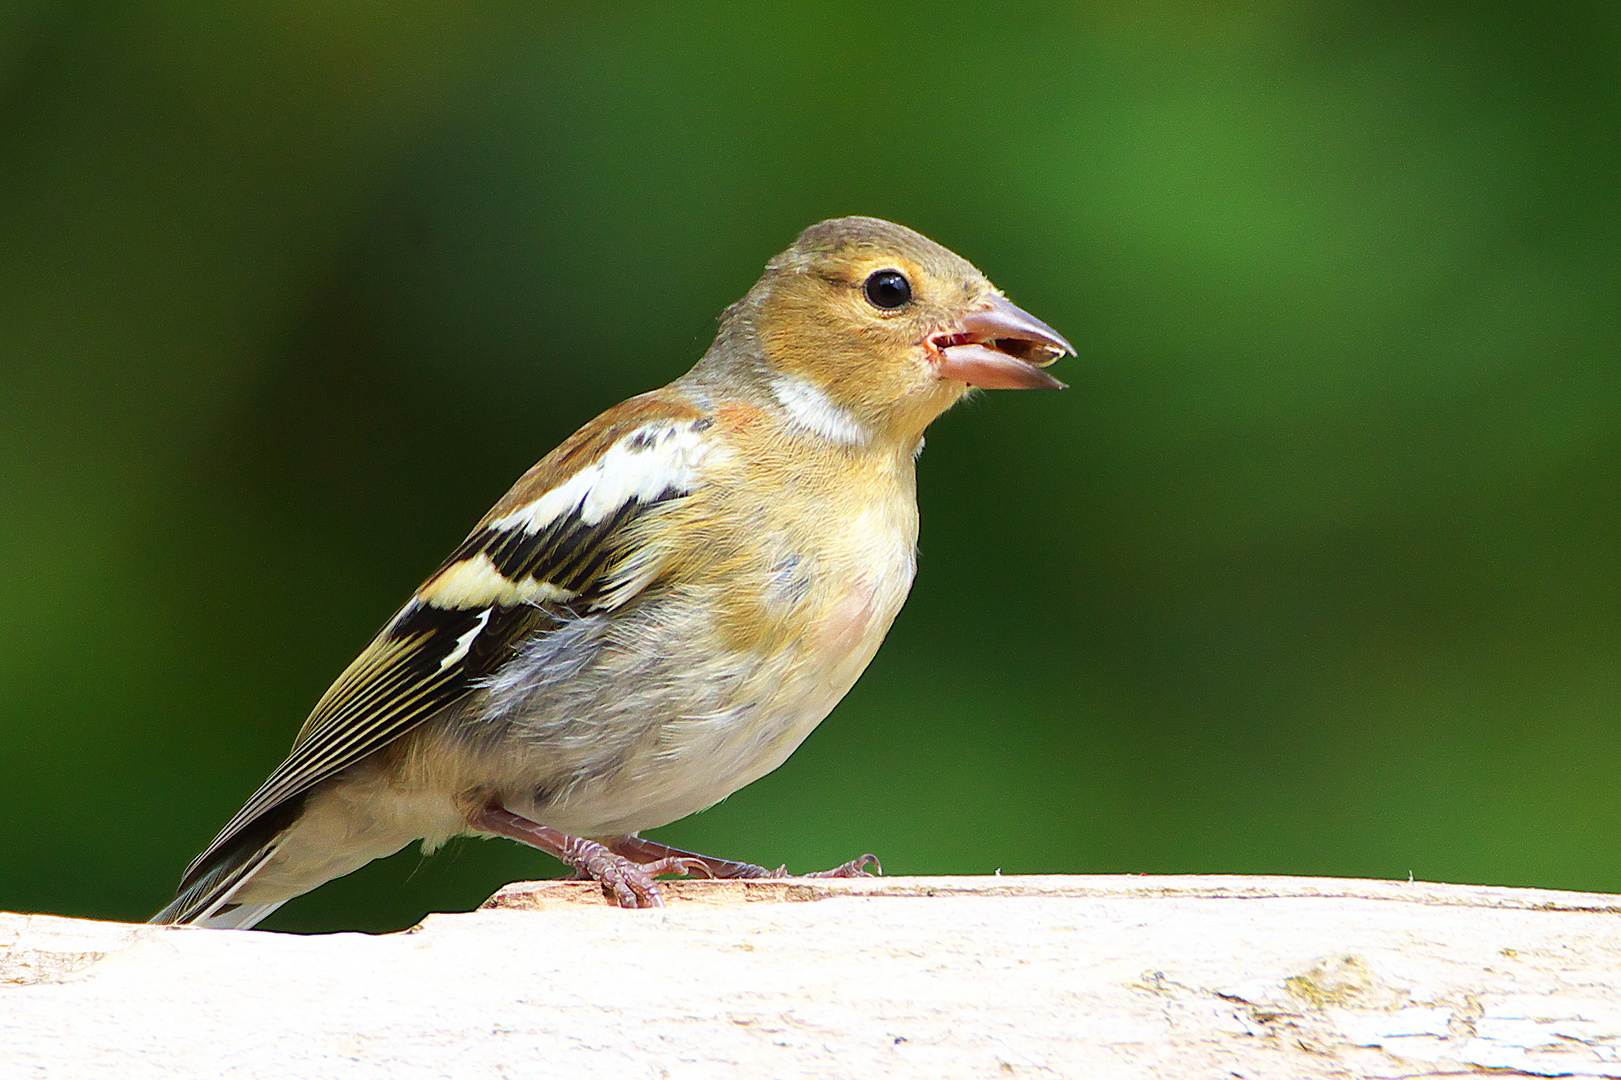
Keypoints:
pixel 559 544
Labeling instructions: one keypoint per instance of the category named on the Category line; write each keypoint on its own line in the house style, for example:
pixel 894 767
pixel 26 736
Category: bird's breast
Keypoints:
pixel 825 596
pixel 869 570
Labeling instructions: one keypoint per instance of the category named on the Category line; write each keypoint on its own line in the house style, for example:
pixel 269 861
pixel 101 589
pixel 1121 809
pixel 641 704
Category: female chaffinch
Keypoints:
pixel 663 608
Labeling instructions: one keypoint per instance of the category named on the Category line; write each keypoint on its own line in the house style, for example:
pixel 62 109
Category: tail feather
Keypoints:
pixel 207 893
pixel 237 916
pixel 207 899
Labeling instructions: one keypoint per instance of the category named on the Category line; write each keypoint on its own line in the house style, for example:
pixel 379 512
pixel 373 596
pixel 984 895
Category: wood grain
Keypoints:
pixel 928 977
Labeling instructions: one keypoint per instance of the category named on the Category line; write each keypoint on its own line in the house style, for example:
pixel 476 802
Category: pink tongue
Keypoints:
pixel 982 366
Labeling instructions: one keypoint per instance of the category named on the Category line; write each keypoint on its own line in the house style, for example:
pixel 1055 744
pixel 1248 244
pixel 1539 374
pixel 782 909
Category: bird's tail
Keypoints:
pixel 207 893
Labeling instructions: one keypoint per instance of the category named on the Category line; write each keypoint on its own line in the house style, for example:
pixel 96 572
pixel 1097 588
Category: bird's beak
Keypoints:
pixel 999 346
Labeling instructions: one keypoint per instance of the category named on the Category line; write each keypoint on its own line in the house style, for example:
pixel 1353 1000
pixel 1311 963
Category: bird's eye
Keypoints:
pixel 888 289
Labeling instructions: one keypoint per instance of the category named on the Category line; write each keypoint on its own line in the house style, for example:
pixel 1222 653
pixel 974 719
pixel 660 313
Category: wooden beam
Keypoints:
pixel 986 976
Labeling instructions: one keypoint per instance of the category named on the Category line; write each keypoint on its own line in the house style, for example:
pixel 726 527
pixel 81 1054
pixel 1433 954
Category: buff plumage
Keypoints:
pixel 663 608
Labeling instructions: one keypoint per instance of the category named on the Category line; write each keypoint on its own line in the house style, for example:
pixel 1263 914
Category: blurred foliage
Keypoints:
pixel 1315 570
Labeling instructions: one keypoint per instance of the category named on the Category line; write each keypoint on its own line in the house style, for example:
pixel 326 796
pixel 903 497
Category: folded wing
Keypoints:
pixel 560 544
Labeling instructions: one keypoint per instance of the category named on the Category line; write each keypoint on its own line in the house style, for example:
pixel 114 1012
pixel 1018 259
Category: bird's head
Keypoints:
pixel 866 330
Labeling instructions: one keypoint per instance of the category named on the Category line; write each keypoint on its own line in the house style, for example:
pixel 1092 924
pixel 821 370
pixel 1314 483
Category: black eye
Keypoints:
pixel 888 289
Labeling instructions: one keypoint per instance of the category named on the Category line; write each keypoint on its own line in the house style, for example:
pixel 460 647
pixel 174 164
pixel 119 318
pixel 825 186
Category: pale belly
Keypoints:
pixel 711 744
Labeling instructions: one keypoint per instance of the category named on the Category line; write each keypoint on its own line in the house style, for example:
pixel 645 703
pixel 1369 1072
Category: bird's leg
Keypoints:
pixel 629 882
pixel 639 850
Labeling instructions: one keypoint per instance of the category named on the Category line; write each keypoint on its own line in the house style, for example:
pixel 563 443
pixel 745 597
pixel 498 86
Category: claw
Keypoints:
pixel 855 868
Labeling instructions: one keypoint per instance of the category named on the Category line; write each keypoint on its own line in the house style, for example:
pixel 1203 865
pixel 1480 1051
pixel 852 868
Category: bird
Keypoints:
pixel 662 609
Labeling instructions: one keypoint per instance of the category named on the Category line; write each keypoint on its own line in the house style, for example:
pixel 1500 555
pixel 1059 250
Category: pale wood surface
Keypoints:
pixel 1179 977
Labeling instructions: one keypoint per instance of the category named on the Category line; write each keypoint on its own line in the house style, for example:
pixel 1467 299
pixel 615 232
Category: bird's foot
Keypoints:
pixel 856 867
pixel 637 849
pixel 630 883
pixel 628 880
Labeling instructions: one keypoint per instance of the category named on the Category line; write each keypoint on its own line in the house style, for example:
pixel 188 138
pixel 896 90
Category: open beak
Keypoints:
pixel 999 347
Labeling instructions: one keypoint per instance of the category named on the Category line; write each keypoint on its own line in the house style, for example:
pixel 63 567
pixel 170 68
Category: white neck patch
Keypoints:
pixel 810 408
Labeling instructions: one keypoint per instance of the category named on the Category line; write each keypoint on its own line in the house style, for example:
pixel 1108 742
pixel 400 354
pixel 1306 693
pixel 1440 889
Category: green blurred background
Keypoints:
pixel 1314 569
